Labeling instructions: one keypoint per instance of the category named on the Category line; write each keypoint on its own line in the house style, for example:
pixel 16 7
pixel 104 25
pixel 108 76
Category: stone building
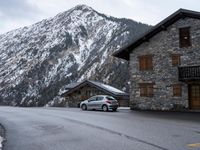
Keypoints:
pixel 165 64
pixel 77 92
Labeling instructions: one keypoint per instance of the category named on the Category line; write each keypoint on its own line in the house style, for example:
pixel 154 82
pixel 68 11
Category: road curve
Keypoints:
pixel 73 129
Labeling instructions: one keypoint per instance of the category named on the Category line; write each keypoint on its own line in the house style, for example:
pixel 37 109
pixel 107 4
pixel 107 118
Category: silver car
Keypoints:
pixel 100 102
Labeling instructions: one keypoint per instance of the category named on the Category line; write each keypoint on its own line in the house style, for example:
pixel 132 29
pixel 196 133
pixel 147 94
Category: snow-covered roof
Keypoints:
pixel 100 85
pixel 71 85
pixel 108 87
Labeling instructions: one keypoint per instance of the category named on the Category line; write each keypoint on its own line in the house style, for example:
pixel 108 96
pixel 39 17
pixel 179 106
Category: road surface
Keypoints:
pixel 74 129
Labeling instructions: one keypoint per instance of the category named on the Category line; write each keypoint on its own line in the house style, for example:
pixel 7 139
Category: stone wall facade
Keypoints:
pixel 164 75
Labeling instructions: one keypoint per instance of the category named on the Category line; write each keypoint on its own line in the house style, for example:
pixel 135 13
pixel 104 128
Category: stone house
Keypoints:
pixel 77 92
pixel 165 64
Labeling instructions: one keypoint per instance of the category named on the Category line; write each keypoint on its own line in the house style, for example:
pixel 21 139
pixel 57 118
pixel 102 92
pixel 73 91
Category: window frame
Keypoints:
pixel 145 62
pixel 99 98
pixel 175 87
pixel 92 99
pixel 195 91
pixel 146 89
pixel 184 37
pixel 177 61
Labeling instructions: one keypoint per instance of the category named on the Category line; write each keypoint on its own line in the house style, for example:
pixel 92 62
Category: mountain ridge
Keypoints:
pixel 38 60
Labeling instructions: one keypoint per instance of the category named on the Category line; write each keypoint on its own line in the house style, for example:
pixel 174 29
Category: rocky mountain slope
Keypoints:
pixel 36 61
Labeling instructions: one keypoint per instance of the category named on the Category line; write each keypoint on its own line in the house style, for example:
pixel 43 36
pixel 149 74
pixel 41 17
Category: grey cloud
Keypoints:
pixel 17 9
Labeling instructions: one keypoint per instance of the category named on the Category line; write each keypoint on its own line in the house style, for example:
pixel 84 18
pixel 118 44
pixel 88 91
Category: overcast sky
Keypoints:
pixel 19 13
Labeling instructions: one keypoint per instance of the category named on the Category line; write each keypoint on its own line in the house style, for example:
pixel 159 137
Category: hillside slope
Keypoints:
pixel 36 61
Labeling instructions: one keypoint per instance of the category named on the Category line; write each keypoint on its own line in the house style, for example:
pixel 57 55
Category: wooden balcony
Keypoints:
pixel 189 73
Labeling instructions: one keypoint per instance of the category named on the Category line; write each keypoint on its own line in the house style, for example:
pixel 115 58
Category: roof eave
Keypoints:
pixel 181 13
pixel 122 53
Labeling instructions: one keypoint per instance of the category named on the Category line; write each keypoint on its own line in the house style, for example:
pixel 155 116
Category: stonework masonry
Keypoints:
pixel 164 75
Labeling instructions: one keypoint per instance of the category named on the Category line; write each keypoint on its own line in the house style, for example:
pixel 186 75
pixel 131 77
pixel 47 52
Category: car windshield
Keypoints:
pixel 110 98
pixel 92 99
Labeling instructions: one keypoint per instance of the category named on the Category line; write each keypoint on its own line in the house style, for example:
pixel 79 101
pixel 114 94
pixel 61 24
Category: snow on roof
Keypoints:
pixel 71 85
pixel 108 87
pixel 103 86
pixel 67 87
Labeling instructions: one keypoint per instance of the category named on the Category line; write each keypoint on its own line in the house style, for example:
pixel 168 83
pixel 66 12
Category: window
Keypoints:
pixel 184 37
pixel 99 98
pixel 195 91
pixel 145 62
pixel 177 90
pixel 110 98
pixel 92 99
pixel 146 89
pixel 175 59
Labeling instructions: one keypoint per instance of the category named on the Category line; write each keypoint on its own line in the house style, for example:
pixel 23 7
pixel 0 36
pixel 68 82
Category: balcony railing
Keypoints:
pixel 189 73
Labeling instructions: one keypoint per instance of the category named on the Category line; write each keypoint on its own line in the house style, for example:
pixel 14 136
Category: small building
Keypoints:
pixel 77 92
pixel 165 64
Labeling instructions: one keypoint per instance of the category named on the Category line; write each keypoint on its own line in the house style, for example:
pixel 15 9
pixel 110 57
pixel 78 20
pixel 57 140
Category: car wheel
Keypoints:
pixel 114 109
pixel 105 108
pixel 84 107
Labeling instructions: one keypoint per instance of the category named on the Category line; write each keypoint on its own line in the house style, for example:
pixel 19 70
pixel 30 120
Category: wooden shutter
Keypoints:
pixel 184 37
pixel 150 90
pixel 177 90
pixel 145 62
pixel 143 90
pixel 146 89
pixel 149 62
pixel 141 63
pixel 175 59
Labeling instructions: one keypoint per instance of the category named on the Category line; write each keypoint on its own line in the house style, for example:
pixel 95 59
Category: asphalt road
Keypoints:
pixel 74 129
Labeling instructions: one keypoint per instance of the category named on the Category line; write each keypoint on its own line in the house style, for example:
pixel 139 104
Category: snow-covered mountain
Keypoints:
pixel 36 61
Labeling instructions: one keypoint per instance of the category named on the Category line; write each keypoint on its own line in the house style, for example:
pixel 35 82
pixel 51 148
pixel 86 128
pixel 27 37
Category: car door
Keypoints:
pixel 99 102
pixel 91 103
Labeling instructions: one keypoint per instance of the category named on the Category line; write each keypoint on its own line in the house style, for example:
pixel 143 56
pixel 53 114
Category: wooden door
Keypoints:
pixel 194 96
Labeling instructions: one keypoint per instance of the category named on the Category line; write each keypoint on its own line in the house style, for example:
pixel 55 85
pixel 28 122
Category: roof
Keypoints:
pixel 67 88
pixel 181 13
pixel 71 85
pixel 108 88
pixel 104 87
